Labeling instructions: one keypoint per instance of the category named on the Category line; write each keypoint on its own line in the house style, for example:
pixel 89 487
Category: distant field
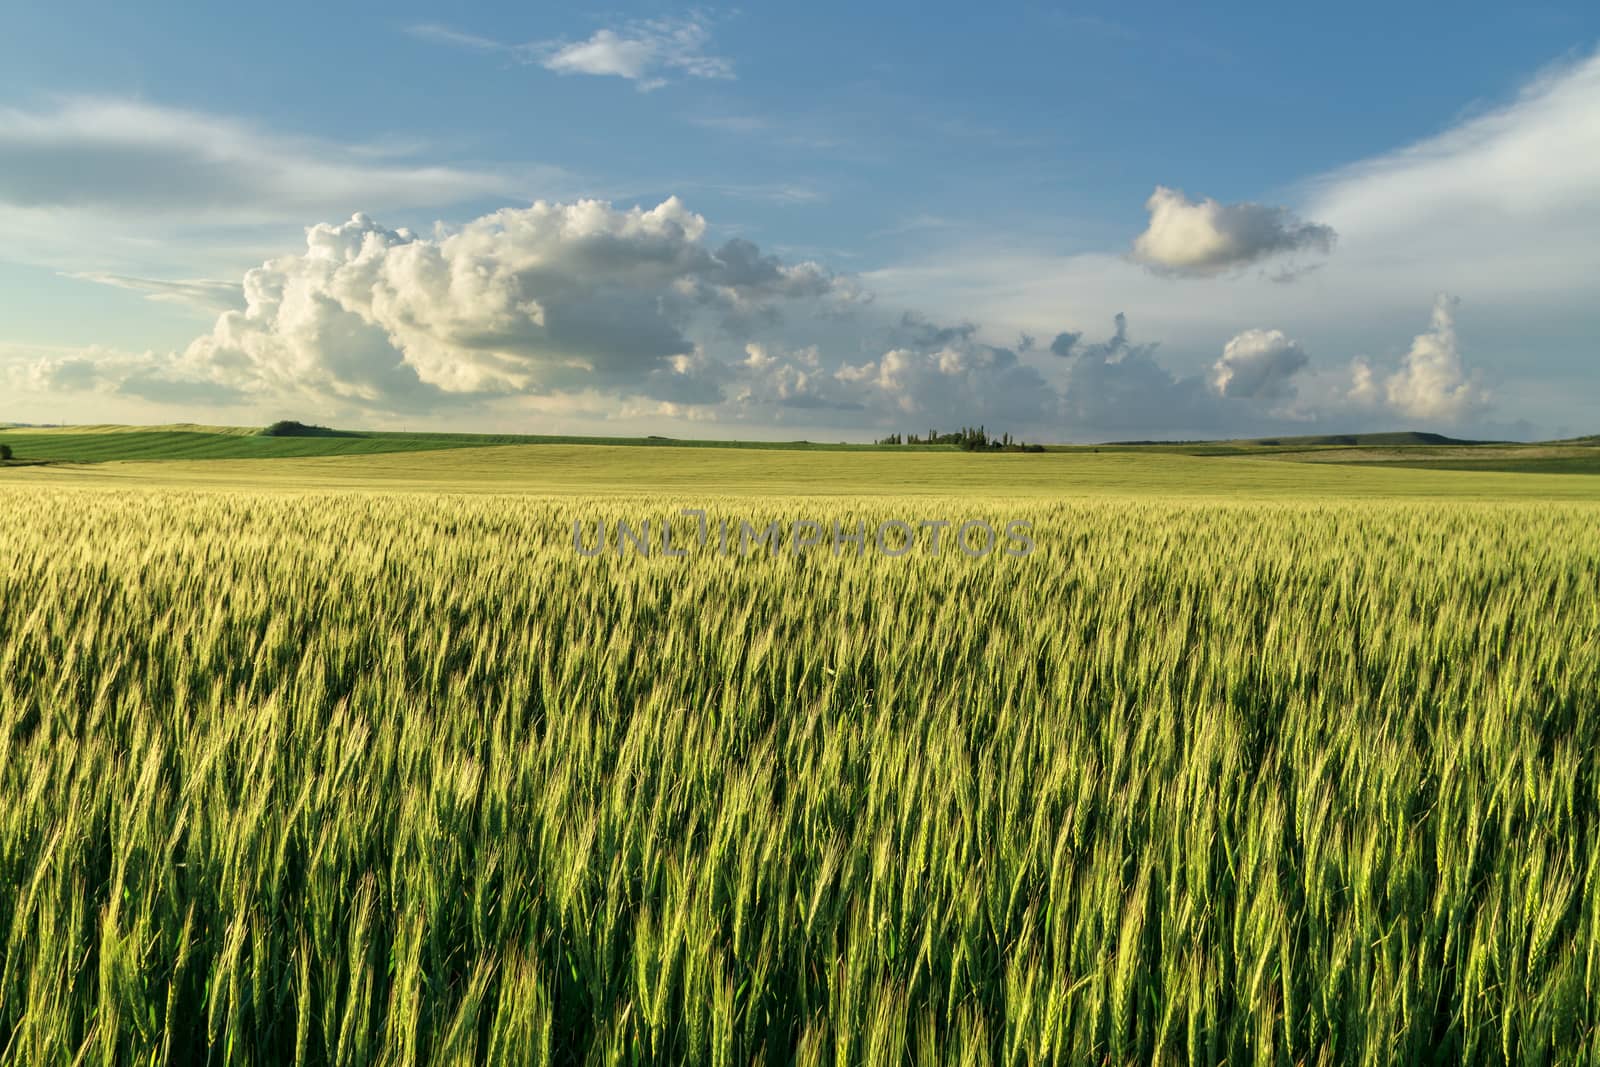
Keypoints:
pixel 177 443
pixel 610 469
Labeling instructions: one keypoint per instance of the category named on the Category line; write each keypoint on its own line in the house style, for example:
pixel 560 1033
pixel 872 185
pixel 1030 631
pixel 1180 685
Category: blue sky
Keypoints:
pixel 1355 218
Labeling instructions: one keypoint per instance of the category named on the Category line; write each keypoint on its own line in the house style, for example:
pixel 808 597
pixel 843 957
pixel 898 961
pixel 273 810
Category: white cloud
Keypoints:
pixel 111 373
pixel 644 51
pixel 952 383
pixel 1204 237
pixel 773 378
pixel 647 52
pixel 1505 202
pixel 1431 382
pixel 946 376
pixel 559 306
pixel 1364 391
pixel 1258 363
pixel 552 298
pixel 606 53
pixel 1503 209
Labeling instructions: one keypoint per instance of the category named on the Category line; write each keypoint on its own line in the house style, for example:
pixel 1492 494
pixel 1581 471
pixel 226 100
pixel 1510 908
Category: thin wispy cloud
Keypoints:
pixel 648 52
pixel 920 223
pixel 134 189
pixel 773 193
pixel 116 156
pixel 1508 199
pixel 810 133
pixel 437 34
pixel 732 123
pixel 199 293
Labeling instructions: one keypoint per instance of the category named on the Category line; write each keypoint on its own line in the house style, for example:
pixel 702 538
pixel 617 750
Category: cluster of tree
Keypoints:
pixel 290 428
pixel 968 439
pixel 5 453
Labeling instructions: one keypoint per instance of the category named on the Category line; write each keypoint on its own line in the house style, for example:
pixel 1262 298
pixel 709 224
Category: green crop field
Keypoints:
pixel 355 759
pixel 98 444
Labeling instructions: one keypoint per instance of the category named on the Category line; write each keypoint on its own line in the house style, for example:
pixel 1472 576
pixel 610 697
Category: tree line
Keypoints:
pixel 968 439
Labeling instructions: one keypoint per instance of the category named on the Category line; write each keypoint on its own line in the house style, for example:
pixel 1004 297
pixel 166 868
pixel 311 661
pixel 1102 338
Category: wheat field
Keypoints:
pixel 389 778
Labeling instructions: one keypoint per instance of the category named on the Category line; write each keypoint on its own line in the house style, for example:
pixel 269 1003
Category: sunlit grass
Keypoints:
pixel 399 778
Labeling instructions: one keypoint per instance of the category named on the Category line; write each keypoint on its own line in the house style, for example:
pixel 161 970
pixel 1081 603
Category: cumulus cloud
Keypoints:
pixel 1204 237
pixel 1258 363
pixel 1065 343
pixel 1117 386
pixel 63 374
pixel 945 377
pixel 1364 390
pixel 546 299
pixel 113 373
pixel 585 307
pixel 647 52
pixel 772 377
pixel 1431 382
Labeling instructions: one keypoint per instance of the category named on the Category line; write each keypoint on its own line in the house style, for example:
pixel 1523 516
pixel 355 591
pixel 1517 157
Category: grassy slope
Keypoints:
pixel 576 469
